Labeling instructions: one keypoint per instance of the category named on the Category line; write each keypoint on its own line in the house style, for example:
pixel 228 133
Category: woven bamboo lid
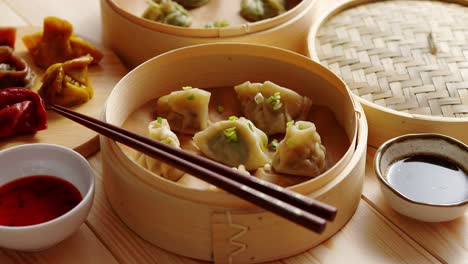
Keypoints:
pixel 408 56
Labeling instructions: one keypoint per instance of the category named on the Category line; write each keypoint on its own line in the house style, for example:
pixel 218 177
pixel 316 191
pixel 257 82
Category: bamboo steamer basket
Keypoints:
pixel 136 39
pixel 405 61
pixel 217 226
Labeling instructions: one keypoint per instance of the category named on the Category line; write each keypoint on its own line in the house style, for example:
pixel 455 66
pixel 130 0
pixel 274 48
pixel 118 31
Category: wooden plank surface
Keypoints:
pixel 367 238
pixel 375 234
pixel 81 247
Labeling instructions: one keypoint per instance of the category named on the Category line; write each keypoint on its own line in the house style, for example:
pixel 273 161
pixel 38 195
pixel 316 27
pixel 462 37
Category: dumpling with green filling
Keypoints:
pixel 168 12
pixel 270 106
pixel 234 142
pixel 186 110
pixel 160 130
pixel 256 10
pixel 301 151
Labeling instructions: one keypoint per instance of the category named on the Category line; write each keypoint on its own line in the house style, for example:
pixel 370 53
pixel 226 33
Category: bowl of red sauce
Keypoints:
pixel 424 176
pixel 46 193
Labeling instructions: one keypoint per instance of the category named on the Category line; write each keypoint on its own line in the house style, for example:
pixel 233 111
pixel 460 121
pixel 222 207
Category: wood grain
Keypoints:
pixel 81 247
pixel 126 245
pixel 84 14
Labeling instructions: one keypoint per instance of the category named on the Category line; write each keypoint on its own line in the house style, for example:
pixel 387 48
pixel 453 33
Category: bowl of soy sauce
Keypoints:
pixel 424 176
pixel 46 193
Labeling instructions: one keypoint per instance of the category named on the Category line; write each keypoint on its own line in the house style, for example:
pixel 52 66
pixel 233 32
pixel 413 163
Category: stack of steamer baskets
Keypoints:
pixel 136 39
pixel 406 62
pixel 215 225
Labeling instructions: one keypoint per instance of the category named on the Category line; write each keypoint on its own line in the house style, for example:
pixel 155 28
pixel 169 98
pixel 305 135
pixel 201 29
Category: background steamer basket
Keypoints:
pixel 405 61
pixel 136 39
pixel 217 226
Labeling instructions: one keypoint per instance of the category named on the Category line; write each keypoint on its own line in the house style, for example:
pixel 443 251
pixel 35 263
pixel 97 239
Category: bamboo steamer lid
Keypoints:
pixel 407 61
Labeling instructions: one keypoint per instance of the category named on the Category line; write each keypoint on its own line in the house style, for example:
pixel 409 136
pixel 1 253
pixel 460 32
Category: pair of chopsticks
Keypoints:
pixel 293 206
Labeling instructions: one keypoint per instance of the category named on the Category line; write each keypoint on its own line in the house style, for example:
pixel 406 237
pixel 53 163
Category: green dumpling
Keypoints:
pixel 168 12
pixel 256 10
pixel 301 151
pixel 234 142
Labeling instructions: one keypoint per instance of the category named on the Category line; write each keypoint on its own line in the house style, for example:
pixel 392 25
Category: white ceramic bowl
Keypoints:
pixel 412 144
pixel 53 160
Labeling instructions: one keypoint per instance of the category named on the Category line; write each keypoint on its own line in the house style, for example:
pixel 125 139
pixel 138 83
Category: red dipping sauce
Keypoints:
pixel 36 199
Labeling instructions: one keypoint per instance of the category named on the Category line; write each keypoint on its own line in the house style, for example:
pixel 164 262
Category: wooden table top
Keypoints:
pixel 375 234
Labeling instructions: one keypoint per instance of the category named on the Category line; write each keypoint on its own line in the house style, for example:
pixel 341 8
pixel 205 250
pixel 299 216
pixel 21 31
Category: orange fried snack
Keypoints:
pixel 67 84
pixel 58 44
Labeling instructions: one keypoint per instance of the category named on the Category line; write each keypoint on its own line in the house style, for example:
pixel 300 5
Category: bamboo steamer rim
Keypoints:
pixel 224 199
pixel 221 32
pixel 312 53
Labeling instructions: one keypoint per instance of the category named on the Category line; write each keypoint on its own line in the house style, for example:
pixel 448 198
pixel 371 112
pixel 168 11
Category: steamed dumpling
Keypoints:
pixel 234 142
pixel 256 10
pixel 271 106
pixel 185 110
pixel 301 151
pixel 160 130
pixel 168 12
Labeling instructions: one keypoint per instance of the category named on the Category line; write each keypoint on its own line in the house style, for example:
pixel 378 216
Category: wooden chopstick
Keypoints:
pixel 290 205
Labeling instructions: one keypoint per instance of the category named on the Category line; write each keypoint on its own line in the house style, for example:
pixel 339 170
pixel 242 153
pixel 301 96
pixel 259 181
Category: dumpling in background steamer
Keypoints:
pixel 301 151
pixel 160 130
pixel 234 142
pixel 270 106
pixel 185 110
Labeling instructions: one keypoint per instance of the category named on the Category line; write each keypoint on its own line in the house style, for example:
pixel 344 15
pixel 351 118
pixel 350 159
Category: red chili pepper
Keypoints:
pixel 21 111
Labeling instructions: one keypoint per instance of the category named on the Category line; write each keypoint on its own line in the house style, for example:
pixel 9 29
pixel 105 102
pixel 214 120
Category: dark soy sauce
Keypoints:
pixel 429 179
pixel 36 199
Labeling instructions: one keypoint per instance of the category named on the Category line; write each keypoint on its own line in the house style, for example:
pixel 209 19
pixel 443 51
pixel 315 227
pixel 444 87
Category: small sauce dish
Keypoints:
pixel 424 176
pixel 46 193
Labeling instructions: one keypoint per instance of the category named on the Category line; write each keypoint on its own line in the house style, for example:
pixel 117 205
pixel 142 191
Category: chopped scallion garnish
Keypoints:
pixel 258 98
pixel 230 134
pixel 166 141
pixel 249 124
pixel 232 118
pixel 191 97
pixel 159 120
pixel 290 123
pixel 275 101
pixel 217 24
pixel 187 87
pixel 274 144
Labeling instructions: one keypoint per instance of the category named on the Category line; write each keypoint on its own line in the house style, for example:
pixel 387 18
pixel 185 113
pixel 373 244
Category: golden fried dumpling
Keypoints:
pixel 185 110
pixel 160 130
pixel 270 106
pixel 67 84
pixel 57 44
pixel 301 151
pixel 234 142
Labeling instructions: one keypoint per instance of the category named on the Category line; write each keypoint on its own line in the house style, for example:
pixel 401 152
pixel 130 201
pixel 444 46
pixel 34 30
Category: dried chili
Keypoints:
pixel 21 111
